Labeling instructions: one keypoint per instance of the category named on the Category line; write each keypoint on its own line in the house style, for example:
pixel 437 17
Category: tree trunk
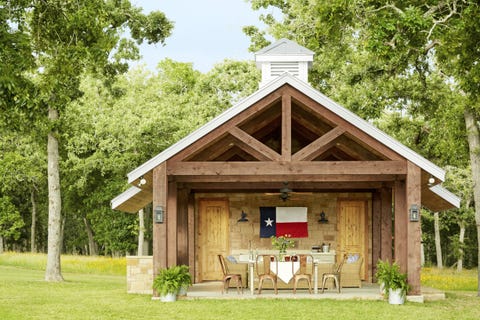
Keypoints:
pixel 1 244
pixel 33 247
pixel 438 246
pixel 461 239
pixel 92 247
pixel 473 136
pixel 53 270
pixel 141 232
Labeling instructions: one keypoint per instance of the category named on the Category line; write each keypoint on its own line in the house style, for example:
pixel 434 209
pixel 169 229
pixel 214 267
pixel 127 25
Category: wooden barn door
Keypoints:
pixel 352 229
pixel 212 237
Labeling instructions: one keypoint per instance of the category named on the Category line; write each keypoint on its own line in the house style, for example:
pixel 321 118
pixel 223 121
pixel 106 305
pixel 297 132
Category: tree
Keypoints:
pixel 65 39
pixel 402 41
pixel 10 221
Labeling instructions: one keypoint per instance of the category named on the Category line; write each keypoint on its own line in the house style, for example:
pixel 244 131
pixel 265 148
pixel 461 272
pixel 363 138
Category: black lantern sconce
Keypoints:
pixel 243 217
pixel 159 214
pixel 414 213
pixel 323 218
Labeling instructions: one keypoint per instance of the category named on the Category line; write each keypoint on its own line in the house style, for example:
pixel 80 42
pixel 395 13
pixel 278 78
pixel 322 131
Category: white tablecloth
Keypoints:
pixel 285 272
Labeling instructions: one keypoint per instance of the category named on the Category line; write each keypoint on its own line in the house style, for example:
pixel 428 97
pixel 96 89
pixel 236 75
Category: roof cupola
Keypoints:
pixel 283 56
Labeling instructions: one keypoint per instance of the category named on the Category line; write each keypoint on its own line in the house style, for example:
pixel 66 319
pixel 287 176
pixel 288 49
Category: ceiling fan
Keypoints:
pixel 285 192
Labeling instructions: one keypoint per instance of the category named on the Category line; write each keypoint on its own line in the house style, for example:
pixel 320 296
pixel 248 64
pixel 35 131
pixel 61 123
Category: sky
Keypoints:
pixel 205 32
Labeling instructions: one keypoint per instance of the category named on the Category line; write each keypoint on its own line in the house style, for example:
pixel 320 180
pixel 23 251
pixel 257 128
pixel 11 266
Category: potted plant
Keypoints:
pixel 167 283
pixel 281 243
pixel 381 274
pixel 395 285
pixel 185 279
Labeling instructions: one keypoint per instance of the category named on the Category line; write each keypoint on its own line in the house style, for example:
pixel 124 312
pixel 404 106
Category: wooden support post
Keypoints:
pixel 159 229
pixel 286 127
pixel 401 225
pixel 387 218
pixel 182 226
pixel 376 229
pixel 191 235
pixel 172 232
pixel 414 237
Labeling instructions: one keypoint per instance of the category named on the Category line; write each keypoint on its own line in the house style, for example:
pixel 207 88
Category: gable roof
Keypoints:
pixel 284 50
pixel 315 95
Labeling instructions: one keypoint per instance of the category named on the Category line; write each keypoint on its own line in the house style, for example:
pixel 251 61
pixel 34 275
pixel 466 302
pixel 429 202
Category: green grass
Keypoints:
pixel 95 294
pixel 449 279
pixel 70 263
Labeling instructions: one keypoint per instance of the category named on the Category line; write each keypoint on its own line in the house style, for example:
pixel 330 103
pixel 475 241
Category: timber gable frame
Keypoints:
pixel 343 138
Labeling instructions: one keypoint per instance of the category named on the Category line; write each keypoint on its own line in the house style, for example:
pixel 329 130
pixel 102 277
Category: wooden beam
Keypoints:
pixel 332 178
pixel 286 127
pixel 159 229
pixel 318 146
pixel 171 221
pixel 331 117
pixel 401 225
pixel 354 168
pixel 191 234
pixel 376 229
pixel 199 144
pixel 182 225
pixel 386 226
pixel 309 186
pixel 252 146
pixel 414 237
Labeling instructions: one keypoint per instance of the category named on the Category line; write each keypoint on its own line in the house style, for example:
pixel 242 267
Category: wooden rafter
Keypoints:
pixel 319 146
pixel 251 145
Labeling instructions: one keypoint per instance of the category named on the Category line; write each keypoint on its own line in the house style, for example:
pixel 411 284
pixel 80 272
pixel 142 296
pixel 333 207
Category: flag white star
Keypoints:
pixel 269 222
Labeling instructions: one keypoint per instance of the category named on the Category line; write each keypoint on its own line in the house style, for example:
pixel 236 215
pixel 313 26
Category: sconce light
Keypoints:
pixel 431 181
pixel 323 218
pixel 142 181
pixel 414 213
pixel 243 217
pixel 159 213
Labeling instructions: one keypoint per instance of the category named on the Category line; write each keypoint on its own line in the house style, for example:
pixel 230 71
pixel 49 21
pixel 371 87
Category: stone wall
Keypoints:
pixel 139 274
pixel 246 234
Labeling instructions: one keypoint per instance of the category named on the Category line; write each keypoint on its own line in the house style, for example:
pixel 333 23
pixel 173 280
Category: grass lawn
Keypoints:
pixel 98 294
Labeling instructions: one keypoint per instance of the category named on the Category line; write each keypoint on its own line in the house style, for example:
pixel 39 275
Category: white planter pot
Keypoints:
pixel 382 289
pixel 396 296
pixel 183 291
pixel 169 297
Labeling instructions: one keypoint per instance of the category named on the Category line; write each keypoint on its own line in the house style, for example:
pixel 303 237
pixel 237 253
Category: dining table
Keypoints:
pixel 285 269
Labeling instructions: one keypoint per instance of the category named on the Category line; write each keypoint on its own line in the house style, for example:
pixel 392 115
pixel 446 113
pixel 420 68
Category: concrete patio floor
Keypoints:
pixel 213 290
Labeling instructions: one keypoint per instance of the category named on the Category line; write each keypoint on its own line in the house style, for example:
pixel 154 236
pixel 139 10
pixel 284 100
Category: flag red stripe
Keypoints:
pixel 295 229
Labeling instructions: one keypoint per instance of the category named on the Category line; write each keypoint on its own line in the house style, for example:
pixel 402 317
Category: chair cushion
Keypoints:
pixel 352 258
pixel 232 259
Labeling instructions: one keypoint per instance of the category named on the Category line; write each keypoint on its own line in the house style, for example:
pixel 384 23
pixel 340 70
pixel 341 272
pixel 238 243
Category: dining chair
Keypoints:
pixel 262 264
pixel 304 272
pixel 227 276
pixel 334 274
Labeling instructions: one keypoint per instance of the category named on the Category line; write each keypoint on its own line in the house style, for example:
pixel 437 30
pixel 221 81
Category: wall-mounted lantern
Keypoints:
pixel 414 213
pixel 159 214
pixel 323 218
pixel 243 217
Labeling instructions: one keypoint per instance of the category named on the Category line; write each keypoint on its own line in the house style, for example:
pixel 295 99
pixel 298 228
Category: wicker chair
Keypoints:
pixel 351 273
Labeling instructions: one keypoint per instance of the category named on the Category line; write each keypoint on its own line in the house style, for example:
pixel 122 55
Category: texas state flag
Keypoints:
pixel 279 221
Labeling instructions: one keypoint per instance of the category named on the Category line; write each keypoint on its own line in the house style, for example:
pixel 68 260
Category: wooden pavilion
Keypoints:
pixel 370 186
